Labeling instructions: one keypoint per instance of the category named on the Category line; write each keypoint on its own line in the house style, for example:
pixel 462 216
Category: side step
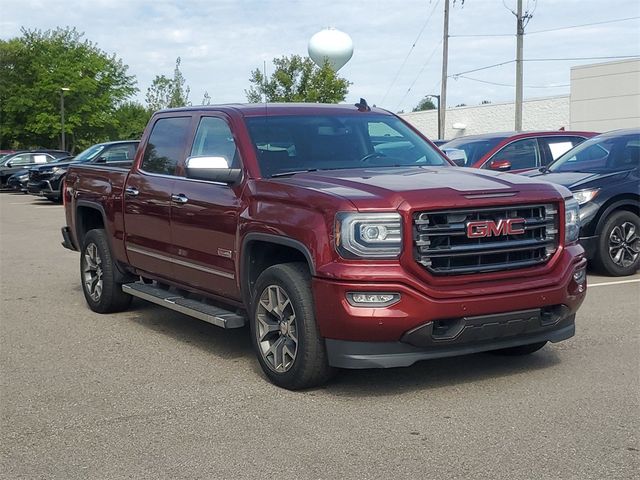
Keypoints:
pixel 194 308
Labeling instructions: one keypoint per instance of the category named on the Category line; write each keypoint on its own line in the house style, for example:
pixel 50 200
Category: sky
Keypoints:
pixel 397 56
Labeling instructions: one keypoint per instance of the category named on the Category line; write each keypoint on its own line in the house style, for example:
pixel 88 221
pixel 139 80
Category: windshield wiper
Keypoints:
pixel 293 172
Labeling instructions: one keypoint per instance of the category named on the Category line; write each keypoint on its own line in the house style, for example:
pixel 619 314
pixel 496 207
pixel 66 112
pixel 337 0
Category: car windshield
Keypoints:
pixel 89 154
pixel 474 149
pixel 289 144
pixel 605 153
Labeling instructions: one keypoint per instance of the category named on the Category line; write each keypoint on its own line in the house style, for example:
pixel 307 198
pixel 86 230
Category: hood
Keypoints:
pixel 48 166
pixel 434 186
pixel 579 180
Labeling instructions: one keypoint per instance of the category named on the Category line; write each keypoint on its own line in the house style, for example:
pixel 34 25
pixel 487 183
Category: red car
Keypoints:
pixel 510 151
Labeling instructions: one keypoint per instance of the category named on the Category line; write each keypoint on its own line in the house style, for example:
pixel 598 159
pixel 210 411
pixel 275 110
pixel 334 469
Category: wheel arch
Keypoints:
pixel 627 201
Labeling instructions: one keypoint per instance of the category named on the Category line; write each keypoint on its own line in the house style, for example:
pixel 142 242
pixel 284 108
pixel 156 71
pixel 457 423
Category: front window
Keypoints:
pixel 601 154
pixel 474 149
pixel 89 154
pixel 288 144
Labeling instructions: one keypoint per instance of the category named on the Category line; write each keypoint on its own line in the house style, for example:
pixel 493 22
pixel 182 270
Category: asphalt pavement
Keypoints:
pixel 151 393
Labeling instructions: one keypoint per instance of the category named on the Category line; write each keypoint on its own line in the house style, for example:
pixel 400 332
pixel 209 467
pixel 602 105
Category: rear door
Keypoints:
pixel 204 215
pixel 147 203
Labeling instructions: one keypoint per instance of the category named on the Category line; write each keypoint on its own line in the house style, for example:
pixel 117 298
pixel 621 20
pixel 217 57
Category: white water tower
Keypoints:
pixel 332 45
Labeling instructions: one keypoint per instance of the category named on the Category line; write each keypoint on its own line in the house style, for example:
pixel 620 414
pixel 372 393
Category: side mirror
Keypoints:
pixel 213 169
pixel 101 160
pixel 456 155
pixel 8 164
pixel 500 165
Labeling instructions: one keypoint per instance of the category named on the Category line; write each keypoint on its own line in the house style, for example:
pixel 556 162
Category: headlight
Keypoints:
pixel 368 235
pixel 571 221
pixel 57 170
pixel 584 196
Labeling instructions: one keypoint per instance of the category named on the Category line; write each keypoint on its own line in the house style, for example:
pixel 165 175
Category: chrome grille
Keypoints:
pixel 442 246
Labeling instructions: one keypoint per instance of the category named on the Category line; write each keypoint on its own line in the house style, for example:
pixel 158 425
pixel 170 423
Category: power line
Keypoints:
pixel 424 65
pixel 512 86
pixel 410 50
pixel 484 35
pixel 583 25
pixel 578 58
pixel 482 68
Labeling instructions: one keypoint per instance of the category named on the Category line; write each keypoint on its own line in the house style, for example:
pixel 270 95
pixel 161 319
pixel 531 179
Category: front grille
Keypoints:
pixel 34 176
pixel 443 247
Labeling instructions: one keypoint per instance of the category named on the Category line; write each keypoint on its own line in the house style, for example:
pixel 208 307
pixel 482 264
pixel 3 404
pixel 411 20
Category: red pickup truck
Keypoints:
pixel 338 233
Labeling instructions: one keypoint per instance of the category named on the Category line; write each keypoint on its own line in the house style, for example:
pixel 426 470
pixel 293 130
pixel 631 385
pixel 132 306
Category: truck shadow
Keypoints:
pixel 235 345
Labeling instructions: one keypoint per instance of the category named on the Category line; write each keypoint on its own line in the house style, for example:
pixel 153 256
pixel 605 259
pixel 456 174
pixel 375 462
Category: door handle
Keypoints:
pixel 180 198
pixel 131 192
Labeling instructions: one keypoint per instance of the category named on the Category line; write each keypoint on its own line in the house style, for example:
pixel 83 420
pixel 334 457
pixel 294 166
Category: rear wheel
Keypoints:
pixel 520 349
pixel 618 252
pixel 98 274
pixel 284 333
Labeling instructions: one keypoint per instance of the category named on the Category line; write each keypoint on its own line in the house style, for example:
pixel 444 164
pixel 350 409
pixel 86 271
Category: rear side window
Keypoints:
pixel 166 145
pixel 558 146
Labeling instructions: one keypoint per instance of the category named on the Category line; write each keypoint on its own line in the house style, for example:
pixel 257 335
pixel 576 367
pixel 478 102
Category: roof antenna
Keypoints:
pixel 362 106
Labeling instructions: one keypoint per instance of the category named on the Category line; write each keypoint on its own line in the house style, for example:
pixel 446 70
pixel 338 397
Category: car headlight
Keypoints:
pixel 584 196
pixel 571 221
pixel 368 235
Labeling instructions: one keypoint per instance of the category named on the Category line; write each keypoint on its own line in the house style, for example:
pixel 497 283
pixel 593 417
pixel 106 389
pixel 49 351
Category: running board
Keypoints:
pixel 194 308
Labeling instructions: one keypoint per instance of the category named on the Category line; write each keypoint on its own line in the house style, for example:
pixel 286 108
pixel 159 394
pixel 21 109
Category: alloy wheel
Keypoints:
pixel 624 244
pixel 92 272
pixel 276 329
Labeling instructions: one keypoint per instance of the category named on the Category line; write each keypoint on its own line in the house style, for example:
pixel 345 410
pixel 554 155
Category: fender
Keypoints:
pixel 602 217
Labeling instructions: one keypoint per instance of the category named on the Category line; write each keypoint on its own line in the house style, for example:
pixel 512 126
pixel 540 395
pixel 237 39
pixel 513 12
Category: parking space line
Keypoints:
pixel 604 284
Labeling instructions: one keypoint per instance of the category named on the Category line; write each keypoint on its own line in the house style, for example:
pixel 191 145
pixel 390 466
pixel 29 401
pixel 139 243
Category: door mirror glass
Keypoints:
pixel 500 165
pixel 214 169
pixel 101 160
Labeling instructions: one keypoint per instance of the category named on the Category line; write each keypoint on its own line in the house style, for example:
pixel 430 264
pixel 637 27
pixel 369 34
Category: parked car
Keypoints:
pixel 510 151
pixel 336 247
pixel 603 174
pixel 22 159
pixel 18 181
pixel 48 180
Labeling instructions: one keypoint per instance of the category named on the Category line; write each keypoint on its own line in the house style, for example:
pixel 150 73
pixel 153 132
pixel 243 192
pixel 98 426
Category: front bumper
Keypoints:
pixel 43 189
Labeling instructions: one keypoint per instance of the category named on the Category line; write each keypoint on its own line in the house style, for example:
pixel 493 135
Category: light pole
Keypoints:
pixel 440 132
pixel 62 90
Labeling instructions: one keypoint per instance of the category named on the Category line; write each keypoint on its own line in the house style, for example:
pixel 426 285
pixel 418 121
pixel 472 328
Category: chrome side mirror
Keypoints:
pixel 213 169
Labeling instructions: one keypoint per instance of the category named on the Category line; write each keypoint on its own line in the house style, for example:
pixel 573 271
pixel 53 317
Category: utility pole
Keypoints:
pixel 440 134
pixel 62 139
pixel 442 101
pixel 519 42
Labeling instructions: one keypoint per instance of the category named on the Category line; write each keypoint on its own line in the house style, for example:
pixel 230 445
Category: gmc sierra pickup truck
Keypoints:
pixel 338 233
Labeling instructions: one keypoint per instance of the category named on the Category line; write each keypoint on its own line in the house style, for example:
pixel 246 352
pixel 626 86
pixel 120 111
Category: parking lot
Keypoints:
pixel 155 394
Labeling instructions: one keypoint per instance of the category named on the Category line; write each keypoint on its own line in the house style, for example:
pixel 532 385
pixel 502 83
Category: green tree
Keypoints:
pixel 130 120
pixel 168 92
pixel 36 66
pixel 297 79
pixel 425 104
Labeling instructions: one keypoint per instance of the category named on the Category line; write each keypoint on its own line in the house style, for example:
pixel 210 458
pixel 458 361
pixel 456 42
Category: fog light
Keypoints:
pixel 580 276
pixel 372 299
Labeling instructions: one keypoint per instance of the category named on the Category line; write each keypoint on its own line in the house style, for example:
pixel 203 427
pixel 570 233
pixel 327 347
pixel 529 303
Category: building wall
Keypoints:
pixel 605 96
pixel 549 113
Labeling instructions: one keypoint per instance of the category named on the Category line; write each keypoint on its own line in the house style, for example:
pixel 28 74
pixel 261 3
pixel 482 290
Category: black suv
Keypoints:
pixel 603 174
pixel 48 180
pixel 12 162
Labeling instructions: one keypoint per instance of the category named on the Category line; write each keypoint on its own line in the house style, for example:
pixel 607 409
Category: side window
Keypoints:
pixel 166 145
pixel 560 145
pixel 40 158
pixel 521 154
pixel 118 153
pixel 214 139
pixel 23 159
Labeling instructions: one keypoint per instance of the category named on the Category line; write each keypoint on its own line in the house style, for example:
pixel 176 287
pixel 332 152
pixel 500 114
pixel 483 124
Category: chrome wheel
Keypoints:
pixel 276 330
pixel 92 272
pixel 624 244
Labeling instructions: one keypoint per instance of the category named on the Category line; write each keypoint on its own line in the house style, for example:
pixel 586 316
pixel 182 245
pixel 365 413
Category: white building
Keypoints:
pixel 603 97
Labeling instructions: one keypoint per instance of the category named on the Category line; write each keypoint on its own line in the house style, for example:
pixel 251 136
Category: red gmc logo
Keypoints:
pixel 489 228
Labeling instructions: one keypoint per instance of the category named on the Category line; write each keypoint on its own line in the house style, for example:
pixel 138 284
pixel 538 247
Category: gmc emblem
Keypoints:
pixel 489 228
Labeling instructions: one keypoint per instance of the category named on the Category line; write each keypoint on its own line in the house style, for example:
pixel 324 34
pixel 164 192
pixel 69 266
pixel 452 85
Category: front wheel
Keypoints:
pixel 98 274
pixel 618 251
pixel 284 333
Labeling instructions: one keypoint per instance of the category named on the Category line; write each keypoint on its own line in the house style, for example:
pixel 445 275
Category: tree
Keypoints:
pixel 425 104
pixel 36 66
pixel 297 79
pixel 168 92
pixel 130 120
pixel 206 98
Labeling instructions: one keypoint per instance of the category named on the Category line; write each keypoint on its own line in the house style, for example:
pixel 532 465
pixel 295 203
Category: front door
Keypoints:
pixel 204 217
pixel 147 204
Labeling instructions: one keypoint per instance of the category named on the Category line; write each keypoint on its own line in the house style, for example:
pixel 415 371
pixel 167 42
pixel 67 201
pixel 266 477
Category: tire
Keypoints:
pixel 618 247
pixel 98 275
pixel 288 345
pixel 519 350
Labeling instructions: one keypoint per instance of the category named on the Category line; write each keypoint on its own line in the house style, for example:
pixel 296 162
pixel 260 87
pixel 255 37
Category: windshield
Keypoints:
pixel 474 149
pixel 601 154
pixel 288 144
pixel 89 154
